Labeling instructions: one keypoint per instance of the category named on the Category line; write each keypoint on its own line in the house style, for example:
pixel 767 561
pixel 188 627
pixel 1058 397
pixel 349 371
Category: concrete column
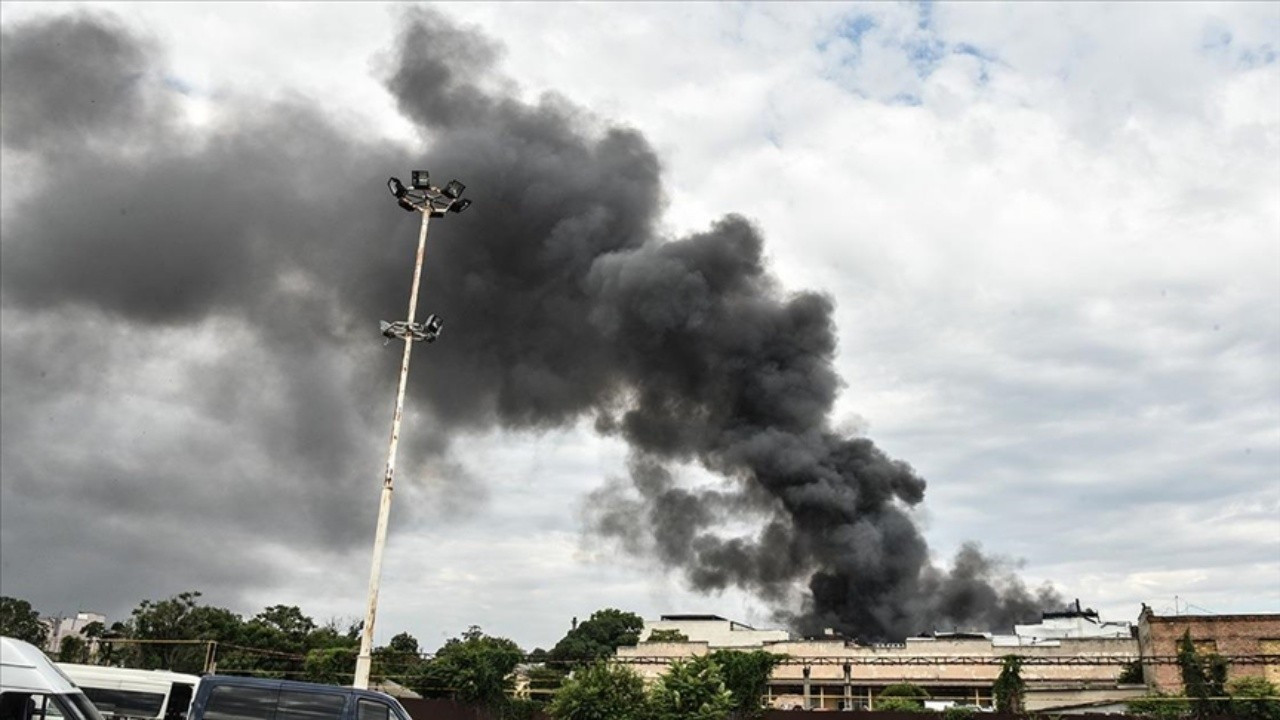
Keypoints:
pixel 848 686
pixel 808 703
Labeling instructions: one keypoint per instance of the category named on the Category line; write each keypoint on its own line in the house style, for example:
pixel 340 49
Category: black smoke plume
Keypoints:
pixel 267 233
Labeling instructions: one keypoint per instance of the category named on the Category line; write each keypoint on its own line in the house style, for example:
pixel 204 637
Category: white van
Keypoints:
pixel 134 694
pixel 33 688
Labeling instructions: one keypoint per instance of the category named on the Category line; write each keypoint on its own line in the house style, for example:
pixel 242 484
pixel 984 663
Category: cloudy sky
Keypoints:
pixel 1046 239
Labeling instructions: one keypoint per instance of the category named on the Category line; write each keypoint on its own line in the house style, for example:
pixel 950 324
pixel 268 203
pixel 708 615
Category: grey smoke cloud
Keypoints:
pixel 266 241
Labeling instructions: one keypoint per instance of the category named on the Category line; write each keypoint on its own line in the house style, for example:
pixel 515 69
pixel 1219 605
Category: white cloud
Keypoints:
pixel 1053 232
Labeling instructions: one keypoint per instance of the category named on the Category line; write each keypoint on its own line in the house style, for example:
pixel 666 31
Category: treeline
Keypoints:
pixel 183 635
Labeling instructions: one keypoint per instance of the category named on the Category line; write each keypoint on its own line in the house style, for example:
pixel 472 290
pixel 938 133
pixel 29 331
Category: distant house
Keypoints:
pixel 1075 623
pixel 715 631
pixel 62 627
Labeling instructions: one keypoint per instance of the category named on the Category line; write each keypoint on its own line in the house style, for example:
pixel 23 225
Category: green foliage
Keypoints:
pixel 667 636
pixel 905 690
pixel 73 649
pixel 19 620
pixel 475 668
pixel 746 676
pixel 902 697
pixel 601 691
pixel 1204 677
pixel 331 666
pixel 959 712
pixel 400 660
pixel 94 630
pixel 900 704
pixel 173 619
pixel 519 709
pixel 1159 705
pixel 1254 698
pixel 597 637
pixel 544 682
pixel 1131 674
pixel 1009 686
pixel 691 690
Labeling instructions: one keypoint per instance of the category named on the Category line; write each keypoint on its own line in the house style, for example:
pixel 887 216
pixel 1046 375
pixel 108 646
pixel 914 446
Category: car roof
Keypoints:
pixel 23 667
pixel 105 676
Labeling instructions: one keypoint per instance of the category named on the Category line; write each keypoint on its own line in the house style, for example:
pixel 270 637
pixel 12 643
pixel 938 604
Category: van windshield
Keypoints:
pixel 71 706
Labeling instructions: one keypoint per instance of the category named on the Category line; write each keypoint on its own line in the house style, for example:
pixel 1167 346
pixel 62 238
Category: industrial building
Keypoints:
pixel 1071 660
pixel 1249 643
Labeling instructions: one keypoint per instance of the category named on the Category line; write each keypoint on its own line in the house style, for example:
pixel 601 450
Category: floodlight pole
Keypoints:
pixel 364 660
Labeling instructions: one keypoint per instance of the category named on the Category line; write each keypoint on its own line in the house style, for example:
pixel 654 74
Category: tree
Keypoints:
pixel 1203 677
pixel 902 697
pixel 691 690
pixel 1009 686
pixel 746 676
pixel 181 617
pixel 399 660
pixel 475 668
pixel 598 637
pixel 1131 673
pixel 288 619
pixel 601 691
pixel 331 666
pixel 73 649
pixel 19 620
pixel 1254 698
pixel 667 636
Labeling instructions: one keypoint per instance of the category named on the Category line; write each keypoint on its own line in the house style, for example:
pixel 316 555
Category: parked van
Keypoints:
pixel 134 694
pixel 224 697
pixel 33 688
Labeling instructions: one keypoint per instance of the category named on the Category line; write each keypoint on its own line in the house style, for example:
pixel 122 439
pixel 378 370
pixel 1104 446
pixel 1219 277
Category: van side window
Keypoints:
pixel 179 701
pixel 372 710
pixel 228 702
pixel 310 706
pixel 126 703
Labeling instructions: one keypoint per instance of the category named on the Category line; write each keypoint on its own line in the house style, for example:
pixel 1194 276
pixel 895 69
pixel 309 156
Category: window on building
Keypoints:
pixel 1205 647
pixel 1271 670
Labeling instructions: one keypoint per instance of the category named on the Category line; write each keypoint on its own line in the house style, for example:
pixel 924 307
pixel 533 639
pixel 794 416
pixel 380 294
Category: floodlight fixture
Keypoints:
pixel 397 188
pixel 406 205
pixel 460 205
pixel 454 189
pixel 420 180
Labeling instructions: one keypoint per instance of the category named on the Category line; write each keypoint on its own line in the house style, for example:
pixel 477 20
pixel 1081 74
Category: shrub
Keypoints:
pixel 1254 698
pixel 959 712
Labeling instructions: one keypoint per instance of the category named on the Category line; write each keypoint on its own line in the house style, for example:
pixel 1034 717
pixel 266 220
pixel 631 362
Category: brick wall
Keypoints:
pixel 1227 635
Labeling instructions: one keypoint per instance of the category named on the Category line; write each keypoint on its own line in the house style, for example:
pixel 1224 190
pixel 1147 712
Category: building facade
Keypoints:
pixel 715 631
pixel 63 627
pixel 1077 668
pixel 1250 644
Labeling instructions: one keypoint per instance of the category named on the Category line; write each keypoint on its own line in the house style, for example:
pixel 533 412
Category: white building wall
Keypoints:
pixel 717 633
pixel 61 627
